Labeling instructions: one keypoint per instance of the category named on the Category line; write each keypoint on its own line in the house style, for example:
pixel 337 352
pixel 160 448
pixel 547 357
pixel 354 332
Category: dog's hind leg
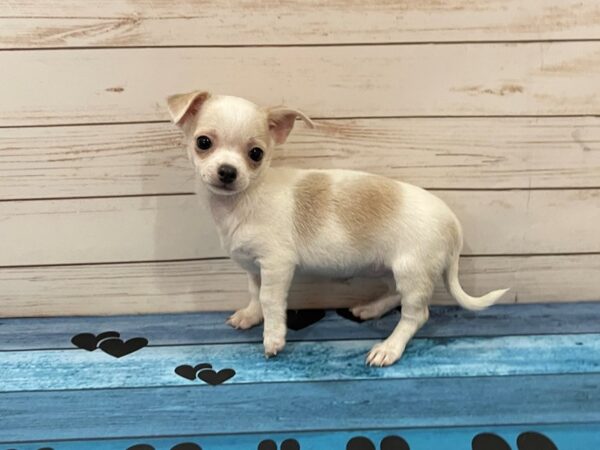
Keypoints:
pixel 252 314
pixel 416 287
pixel 380 306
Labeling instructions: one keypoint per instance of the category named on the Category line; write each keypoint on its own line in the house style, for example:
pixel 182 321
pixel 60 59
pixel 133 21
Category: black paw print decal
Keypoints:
pixel 387 443
pixel 288 444
pixel 205 373
pixel 109 342
pixel 182 446
pixel 526 441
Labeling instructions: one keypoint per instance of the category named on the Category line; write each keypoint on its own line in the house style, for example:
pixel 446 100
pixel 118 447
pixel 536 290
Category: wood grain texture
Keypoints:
pixel 540 399
pixel 55 333
pixel 177 227
pixel 81 86
pixel 464 153
pixel 24 24
pixel 301 362
pixel 105 229
pixel 220 286
pixel 566 437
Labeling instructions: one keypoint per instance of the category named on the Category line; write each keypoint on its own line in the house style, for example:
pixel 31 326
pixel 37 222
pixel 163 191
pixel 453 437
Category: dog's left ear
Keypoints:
pixel 281 121
pixel 182 107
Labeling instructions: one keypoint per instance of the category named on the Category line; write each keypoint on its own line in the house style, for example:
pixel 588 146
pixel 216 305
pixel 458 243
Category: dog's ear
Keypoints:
pixel 182 107
pixel 281 121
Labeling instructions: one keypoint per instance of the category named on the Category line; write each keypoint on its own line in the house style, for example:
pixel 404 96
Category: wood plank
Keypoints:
pixel 464 153
pixel 209 327
pixel 81 86
pixel 25 24
pixel 541 399
pixel 187 286
pixel 566 437
pixel 302 362
pixel 106 229
pixel 177 227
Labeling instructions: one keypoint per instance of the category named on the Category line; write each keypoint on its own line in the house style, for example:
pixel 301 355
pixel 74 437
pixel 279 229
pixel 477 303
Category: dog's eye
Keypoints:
pixel 203 142
pixel 256 154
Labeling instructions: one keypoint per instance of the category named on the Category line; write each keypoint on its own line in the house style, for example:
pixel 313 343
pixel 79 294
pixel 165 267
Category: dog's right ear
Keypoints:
pixel 281 121
pixel 183 107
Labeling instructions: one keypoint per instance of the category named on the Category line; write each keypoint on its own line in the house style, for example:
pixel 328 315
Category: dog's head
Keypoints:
pixel 230 140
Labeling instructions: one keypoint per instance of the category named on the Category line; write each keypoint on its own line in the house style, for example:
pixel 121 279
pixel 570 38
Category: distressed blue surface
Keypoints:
pixel 198 328
pixel 571 437
pixel 302 361
pixel 527 367
pixel 294 407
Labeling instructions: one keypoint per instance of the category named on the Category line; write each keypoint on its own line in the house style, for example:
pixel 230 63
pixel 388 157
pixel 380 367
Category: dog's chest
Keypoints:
pixel 239 241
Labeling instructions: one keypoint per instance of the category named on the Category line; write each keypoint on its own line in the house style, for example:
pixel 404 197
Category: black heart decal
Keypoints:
pixel 534 441
pixel 387 443
pixel 189 372
pixel 86 341
pixel 290 444
pixel 89 341
pixel 360 443
pixel 299 319
pixel 214 378
pixel 267 444
pixel 107 334
pixel 141 447
pixel 186 371
pixel 489 441
pixel 118 348
pixel 187 446
pixel 394 443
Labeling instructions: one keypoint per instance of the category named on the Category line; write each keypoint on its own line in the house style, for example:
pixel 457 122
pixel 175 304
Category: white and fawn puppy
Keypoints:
pixel 340 223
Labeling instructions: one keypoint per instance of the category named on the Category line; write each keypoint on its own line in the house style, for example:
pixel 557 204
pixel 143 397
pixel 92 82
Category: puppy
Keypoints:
pixel 338 223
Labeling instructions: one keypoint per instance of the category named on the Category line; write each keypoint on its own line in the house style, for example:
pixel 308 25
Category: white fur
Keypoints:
pixel 255 221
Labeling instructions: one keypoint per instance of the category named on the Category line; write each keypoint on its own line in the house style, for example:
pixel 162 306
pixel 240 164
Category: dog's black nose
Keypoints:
pixel 227 173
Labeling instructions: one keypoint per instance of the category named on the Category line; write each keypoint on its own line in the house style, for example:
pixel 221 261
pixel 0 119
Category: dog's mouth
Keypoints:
pixel 222 189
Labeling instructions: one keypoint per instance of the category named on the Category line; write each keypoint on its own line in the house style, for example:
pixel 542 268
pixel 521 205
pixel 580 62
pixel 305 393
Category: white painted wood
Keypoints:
pixel 114 85
pixel 47 23
pixel 175 227
pixel 93 86
pixel 105 229
pixel 472 153
pixel 220 285
pixel 98 160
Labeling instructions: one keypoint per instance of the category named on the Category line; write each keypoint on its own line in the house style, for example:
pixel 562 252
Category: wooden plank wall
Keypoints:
pixel 492 105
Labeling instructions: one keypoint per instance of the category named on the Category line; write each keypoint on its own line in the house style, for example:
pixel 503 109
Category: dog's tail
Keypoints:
pixel 464 299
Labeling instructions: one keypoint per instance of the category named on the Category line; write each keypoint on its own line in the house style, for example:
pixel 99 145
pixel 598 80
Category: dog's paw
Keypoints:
pixel 367 311
pixel 245 318
pixel 384 354
pixel 273 345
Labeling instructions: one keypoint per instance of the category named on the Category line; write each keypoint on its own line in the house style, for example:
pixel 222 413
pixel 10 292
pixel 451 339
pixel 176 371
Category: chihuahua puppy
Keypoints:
pixel 339 223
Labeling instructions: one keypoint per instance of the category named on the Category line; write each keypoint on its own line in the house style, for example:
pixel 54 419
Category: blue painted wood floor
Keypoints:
pixel 521 377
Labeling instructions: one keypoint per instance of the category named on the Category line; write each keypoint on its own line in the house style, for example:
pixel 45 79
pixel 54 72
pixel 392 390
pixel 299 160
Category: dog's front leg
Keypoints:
pixel 275 283
pixel 251 315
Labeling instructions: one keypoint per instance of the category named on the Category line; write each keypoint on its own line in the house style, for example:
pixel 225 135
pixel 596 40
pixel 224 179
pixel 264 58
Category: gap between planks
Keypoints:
pixel 226 258
pixel 322 118
pixel 332 44
pixel 169 194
